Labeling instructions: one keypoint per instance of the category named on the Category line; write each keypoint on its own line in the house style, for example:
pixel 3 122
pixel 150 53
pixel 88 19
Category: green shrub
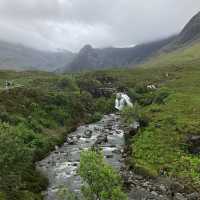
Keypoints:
pixel 96 117
pixel 65 194
pixel 89 84
pixel 104 105
pixel 103 182
pixel 161 95
pixel 131 114
pixel 135 97
pixel 16 157
pixel 67 83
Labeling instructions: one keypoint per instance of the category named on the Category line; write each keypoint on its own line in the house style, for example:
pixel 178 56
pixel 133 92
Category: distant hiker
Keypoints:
pixel 122 100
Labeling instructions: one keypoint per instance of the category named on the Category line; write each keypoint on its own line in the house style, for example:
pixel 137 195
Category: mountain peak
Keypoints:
pixel 86 48
pixel 191 31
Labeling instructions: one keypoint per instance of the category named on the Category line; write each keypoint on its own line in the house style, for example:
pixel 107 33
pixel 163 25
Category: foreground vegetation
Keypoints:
pixel 102 182
pixel 35 115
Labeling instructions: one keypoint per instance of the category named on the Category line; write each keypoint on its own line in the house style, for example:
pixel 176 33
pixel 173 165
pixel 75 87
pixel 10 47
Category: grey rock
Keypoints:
pixel 194 144
pixel 179 196
pixel 88 133
pixel 154 193
pixel 193 196
pixel 101 139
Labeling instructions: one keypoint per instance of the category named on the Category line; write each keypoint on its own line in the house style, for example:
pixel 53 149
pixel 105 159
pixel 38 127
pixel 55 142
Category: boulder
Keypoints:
pixel 71 140
pixel 88 133
pixel 134 127
pixel 101 139
pixel 193 196
pixel 194 144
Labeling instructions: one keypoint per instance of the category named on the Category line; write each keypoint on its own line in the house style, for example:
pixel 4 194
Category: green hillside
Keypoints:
pixel 182 56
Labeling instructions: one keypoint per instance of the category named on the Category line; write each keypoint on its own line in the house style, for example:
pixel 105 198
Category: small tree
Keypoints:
pixel 130 114
pixel 15 158
pixel 65 194
pixel 102 181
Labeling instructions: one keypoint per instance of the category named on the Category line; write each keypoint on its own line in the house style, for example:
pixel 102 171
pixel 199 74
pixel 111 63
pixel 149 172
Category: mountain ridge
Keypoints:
pixel 19 57
pixel 92 58
pixel 95 58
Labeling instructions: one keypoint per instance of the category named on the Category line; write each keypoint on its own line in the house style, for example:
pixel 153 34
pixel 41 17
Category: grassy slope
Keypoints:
pixel 162 145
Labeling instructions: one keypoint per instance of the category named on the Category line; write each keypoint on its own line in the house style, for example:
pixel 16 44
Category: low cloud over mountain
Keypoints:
pixel 70 24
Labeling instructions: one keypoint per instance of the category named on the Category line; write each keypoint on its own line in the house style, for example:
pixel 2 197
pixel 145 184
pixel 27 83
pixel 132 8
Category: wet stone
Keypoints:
pixel 193 196
pixel 179 196
pixel 88 133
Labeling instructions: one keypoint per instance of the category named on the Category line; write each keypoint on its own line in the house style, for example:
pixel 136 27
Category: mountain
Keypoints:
pixel 191 31
pixel 91 58
pixel 189 35
pixel 19 57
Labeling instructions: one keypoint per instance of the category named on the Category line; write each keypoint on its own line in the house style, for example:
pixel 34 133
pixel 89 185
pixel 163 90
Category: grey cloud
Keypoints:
pixel 69 24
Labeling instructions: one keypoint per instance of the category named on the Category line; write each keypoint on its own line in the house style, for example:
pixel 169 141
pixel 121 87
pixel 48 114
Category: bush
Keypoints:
pixel 131 114
pixel 67 83
pixel 16 157
pixel 90 85
pixel 134 95
pixel 65 194
pixel 105 105
pixel 102 181
pixel 96 117
pixel 161 95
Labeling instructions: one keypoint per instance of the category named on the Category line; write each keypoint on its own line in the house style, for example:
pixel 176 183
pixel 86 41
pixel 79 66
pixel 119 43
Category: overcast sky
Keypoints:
pixel 70 24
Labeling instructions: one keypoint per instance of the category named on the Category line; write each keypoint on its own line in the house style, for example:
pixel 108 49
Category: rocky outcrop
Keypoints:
pixel 193 142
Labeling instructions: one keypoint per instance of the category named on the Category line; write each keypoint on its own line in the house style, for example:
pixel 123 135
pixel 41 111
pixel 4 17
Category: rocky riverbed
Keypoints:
pixel 61 165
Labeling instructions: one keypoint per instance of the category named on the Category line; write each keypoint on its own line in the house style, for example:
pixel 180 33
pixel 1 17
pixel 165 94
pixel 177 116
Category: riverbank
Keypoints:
pixel 142 185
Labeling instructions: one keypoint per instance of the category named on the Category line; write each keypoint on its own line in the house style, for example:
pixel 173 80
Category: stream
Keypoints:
pixel 61 165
